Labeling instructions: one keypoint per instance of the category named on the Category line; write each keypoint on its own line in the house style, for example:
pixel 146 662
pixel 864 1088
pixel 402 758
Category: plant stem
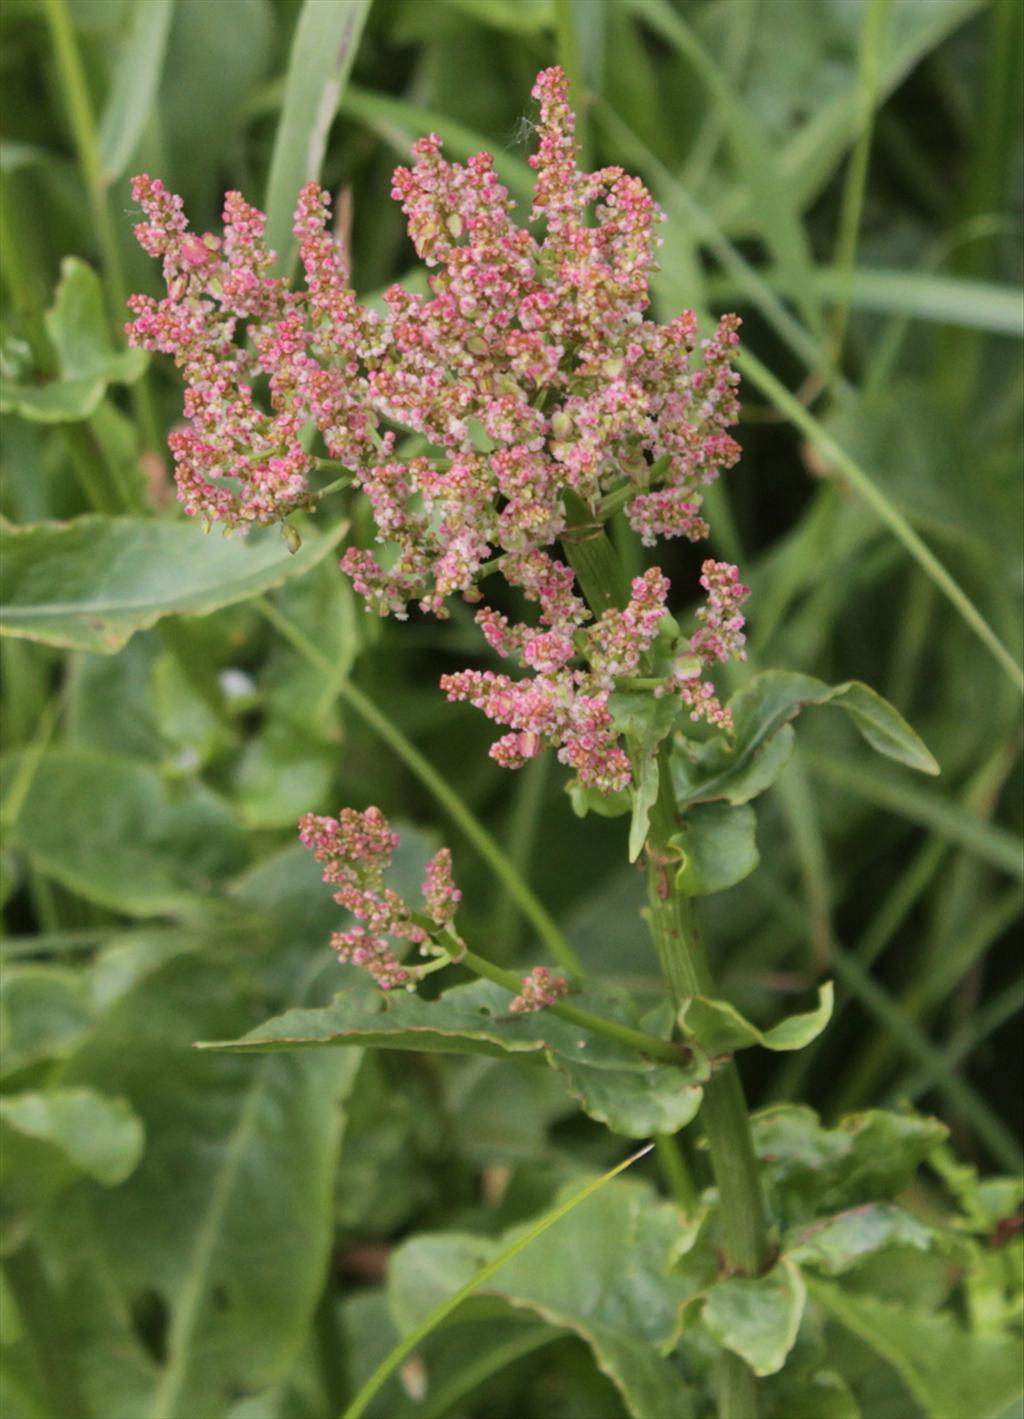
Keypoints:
pixel 684 965
pixel 529 904
pixel 591 554
pixel 724 1110
pixel 649 1045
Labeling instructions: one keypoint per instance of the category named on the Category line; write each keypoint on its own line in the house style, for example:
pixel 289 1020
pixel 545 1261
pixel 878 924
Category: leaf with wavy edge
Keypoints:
pixel 632 1095
pixel 624 1303
pixel 90 584
pixel 719 1028
pixel 758 1317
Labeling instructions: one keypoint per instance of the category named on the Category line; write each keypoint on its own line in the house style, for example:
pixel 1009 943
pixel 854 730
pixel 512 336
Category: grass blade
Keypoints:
pixel 324 47
pixel 399 123
pixel 940 815
pixel 760 375
pixel 441 1313
pixel 777 215
pixel 136 81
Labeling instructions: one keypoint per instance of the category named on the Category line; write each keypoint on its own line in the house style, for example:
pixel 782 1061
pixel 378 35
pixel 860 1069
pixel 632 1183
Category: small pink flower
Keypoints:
pixel 540 989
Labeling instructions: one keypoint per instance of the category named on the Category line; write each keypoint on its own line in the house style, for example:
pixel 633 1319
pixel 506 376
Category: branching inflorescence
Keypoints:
pixel 529 384
pixel 532 372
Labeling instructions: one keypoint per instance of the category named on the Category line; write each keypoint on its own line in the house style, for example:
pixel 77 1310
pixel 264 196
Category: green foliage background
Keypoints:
pixel 188 1236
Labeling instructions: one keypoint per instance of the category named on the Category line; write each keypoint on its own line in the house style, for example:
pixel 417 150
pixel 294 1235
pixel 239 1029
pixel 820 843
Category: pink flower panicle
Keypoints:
pixel 356 849
pixel 530 369
pixel 540 989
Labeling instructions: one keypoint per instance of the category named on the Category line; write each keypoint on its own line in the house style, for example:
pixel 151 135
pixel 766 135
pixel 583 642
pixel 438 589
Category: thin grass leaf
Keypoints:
pixel 921 295
pixel 323 50
pixel 852 207
pixel 835 455
pixel 399 123
pixel 985 1022
pixel 932 810
pixel 441 1312
pixel 911 1039
pixel 778 217
pixel 808 160
pixel 136 81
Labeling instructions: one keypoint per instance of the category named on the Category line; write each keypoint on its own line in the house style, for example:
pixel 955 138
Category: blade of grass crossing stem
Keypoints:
pixel 943 816
pixel 323 49
pixel 136 81
pixel 873 1066
pixel 531 907
pixel 491 1362
pixel 984 1122
pixel 992 1016
pixel 852 207
pixel 774 390
pixel 441 1313
pixel 778 217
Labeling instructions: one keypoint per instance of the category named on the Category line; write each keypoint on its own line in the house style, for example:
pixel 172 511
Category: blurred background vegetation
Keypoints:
pixel 847 175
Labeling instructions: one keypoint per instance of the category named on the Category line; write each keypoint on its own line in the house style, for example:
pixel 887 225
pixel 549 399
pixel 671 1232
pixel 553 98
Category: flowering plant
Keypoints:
pixel 495 427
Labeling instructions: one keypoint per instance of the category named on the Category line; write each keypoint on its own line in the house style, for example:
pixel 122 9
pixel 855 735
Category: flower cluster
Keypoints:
pixel 355 849
pixel 534 379
pixel 540 989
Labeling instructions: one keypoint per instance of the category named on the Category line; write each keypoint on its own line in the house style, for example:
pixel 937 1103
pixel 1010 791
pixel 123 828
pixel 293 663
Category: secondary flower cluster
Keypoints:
pixel 528 379
pixel 356 850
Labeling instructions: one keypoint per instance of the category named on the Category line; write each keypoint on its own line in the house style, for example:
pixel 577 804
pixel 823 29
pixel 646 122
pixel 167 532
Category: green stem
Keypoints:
pixel 592 555
pixel 73 84
pixel 677 1174
pixel 529 904
pixel 724 1112
pixel 684 965
pixel 649 1045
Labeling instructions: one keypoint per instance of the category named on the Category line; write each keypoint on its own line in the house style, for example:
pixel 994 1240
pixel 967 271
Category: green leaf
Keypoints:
pixel 720 1029
pixel 839 1243
pixel 823 1394
pixel 763 708
pixel 98 1136
pixel 623 1299
pixel 322 54
pixel 645 721
pixel 631 1095
pixel 152 846
pixel 869 1157
pixel 92 583
pixel 44 1013
pixel 949 1371
pixel 758 1317
pixel 718 848
pixel 225 1227
pixel 87 360
pixel 134 88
